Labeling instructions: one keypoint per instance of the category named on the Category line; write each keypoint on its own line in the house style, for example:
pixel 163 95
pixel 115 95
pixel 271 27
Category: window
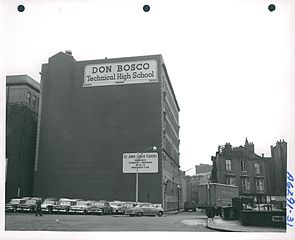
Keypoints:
pixel 257 168
pixel 228 165
pixel 28 97
pixel 259 184
pixel 230 180
pixel 37 102
pixel 245 183
pixel 243 166
pixel 34 100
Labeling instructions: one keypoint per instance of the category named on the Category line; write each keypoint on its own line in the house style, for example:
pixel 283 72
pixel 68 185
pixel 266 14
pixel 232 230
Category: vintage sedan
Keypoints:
pixel 81 207
pixel 64 205
pixel 13 204
pixel 100 207
pixel 48 205
pixel 145 209
pixel 190 206
pixel 116 205
pixel 29 205
pixel 125 206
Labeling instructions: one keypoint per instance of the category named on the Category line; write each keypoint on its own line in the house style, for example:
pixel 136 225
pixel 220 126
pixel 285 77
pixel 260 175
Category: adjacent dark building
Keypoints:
pixel 279 168
pixel 240 166
pixel 92 112
pixel 22 102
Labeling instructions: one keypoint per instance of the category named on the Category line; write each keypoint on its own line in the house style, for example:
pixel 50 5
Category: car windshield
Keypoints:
pixel 49 202
pixel 31 201
pixel 128 204
pixel 99 204
pixel 116 204
pixel 141 205
pixel 65 203
pixel 83 203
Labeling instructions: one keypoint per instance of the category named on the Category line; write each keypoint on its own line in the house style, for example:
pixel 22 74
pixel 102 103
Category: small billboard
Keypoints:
pixel 147 162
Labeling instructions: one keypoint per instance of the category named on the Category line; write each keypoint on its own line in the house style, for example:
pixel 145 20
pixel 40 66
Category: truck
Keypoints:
pixel 216 199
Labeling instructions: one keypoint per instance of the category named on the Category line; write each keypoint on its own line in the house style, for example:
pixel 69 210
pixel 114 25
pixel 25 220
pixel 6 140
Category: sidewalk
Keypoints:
pixel 235 226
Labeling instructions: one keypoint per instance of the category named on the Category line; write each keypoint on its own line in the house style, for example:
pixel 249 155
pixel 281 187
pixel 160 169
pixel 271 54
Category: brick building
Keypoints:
pixel 22 102
pixel 92 112
pixel 202 176
pixel 279 168
pixel 240 166
pixel 203 168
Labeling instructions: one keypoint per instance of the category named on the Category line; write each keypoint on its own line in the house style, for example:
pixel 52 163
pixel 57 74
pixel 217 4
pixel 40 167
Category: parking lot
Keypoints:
pixel 184 221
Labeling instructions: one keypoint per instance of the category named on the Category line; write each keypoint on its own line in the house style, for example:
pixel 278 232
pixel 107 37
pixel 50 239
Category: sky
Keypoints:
pixel 230 62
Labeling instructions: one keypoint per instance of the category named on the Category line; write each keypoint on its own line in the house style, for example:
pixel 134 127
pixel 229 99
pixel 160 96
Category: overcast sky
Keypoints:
pixel 230 62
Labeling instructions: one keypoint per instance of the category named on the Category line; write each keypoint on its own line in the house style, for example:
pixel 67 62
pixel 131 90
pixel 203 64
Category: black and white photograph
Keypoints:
pixel 127 119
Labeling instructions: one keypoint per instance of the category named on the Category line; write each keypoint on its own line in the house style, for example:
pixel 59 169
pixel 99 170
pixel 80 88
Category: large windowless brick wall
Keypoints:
pixel 84 130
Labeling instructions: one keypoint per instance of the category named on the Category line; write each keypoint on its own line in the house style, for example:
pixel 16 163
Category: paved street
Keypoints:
pixel 186 221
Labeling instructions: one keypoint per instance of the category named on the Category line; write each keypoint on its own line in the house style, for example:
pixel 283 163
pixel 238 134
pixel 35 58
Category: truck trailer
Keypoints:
pixel 216 199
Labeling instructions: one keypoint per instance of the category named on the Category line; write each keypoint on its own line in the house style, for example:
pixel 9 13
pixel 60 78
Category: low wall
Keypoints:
pixel 264 218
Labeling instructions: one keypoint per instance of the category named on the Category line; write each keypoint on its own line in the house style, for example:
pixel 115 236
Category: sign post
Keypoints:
pixel 140 163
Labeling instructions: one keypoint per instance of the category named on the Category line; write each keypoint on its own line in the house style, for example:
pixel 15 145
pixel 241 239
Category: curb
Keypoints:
pixel 220 229
pixel 241 229
pixel 172 212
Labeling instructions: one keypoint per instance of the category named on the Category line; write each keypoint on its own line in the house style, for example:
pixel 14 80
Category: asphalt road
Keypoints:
pixel 191 221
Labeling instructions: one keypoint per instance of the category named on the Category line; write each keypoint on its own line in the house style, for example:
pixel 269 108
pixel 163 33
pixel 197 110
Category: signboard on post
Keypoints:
pixel 119 73
pixel 147 162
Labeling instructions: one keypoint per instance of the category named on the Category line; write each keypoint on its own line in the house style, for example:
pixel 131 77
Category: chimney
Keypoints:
pixel 69 52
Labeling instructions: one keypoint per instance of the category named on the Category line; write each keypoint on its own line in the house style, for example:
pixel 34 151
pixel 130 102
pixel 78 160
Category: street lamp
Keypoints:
pixel 178 190
pixel 178 187
pixel 154 148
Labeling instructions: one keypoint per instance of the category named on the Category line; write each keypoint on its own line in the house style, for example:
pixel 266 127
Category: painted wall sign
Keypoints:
pixel 147 162
pixel 103 74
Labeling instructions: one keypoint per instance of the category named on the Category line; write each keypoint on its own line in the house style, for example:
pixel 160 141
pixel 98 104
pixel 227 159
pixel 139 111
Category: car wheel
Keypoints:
pixel 139 214
pixel 131 215
pixel 160 214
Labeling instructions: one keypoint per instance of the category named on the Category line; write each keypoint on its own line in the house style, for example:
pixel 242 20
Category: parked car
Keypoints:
pixel 29 205
pixel 64 205
pixel 13 204
pixel 48 205
pixel 116 205
pixel 81 207
pixel 145 209
pixel 100 207
pixel 126 206
pixel 190 206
